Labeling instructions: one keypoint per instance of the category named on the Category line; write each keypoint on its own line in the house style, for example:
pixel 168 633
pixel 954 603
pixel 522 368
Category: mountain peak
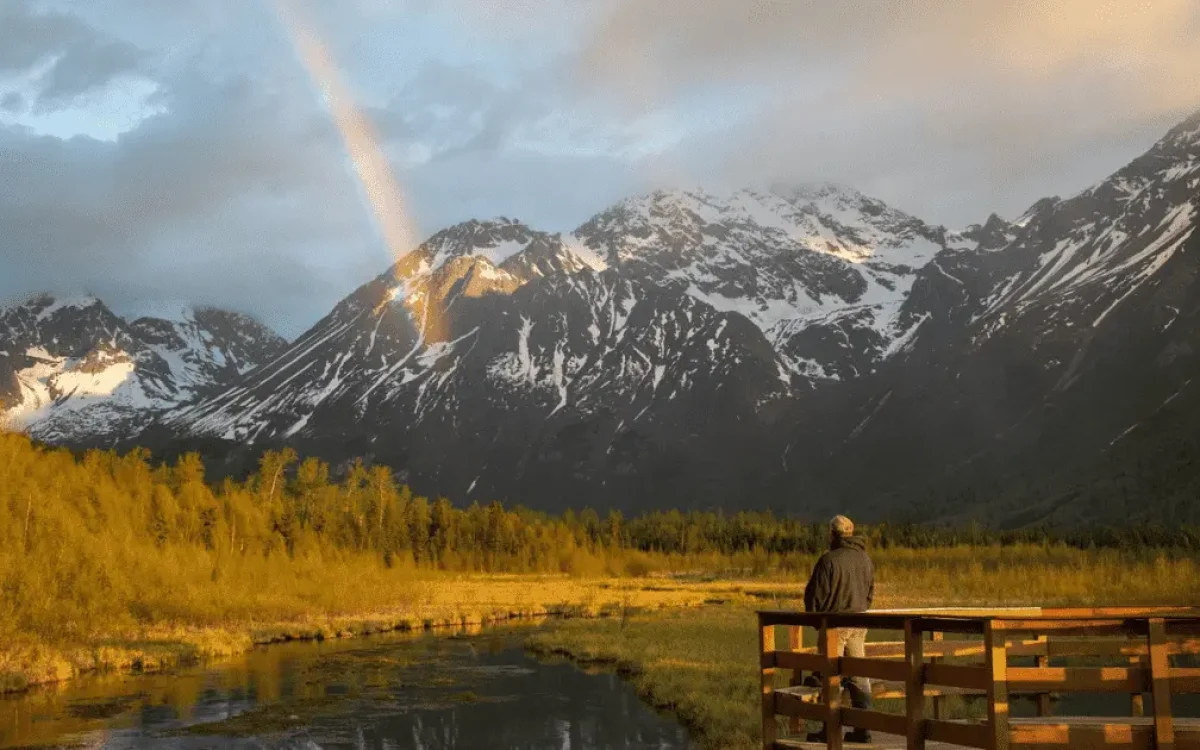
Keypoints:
pixel 45 304
pixel 993 234
pixel 1038 208
pixel 483 231
pixel 1186 133
pixel 495 239
pixel 815 191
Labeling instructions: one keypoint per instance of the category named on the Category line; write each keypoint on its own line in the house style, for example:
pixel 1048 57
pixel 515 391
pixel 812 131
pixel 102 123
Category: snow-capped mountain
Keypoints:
pixel 494 356
pixel 821 270
pixel 691 349
pixel 697 347
pixel 72 371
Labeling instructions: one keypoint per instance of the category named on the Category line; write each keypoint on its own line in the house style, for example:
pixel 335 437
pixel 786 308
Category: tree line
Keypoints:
pixel 293 507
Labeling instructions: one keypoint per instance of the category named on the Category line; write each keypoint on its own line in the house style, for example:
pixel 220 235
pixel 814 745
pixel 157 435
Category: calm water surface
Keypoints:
pixel 393 691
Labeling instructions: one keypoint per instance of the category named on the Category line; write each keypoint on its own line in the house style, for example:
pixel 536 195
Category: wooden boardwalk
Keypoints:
pixel 1128 650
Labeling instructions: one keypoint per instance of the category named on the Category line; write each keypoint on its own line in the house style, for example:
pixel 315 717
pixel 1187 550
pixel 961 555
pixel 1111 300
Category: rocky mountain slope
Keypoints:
pixel 72 371
pixel 496 358
pixel 1040 364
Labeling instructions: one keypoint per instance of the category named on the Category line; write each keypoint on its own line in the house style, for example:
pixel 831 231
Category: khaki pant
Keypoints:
pixel 853 642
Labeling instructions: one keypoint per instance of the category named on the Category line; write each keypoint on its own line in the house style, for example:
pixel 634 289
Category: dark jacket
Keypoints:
pixel 843 580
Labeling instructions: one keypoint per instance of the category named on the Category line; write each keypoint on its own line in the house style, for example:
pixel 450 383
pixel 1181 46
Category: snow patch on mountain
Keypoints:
pixel 66 303
pixel 76 371
pixel 789 259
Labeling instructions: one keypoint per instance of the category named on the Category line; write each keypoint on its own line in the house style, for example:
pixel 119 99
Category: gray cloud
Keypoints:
pixel 949 107
pixel 80 58
pixel 238 192
pixel 12 102
pixel 231 186
pixel 83 69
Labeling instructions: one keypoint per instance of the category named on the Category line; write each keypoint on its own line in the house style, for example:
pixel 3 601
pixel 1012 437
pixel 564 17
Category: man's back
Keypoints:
pixel 843 580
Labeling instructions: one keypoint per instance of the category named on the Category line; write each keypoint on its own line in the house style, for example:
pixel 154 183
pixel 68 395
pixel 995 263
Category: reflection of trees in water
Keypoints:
pixel 400 690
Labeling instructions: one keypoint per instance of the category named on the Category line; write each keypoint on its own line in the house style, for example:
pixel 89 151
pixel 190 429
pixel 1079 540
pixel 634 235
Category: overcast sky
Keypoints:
pixel 156 153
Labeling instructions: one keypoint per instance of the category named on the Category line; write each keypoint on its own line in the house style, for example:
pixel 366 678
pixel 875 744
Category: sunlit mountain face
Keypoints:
pixel 73 371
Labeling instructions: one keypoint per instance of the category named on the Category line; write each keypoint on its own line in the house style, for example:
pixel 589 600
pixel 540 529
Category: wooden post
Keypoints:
pixel 937 699
pixel 795 643
pixel 831 685
pixel 914 685
pixel 995 654
pixel 1164 730
pixel 1043 660
pixel 766 644
pixel 1137 702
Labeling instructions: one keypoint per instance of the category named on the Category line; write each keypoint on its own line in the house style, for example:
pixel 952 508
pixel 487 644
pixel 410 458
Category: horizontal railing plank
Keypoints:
pixel 1066 647
pixel 875 669
pixel 869 620
pixel 787 704
pixel 1058 647
pixel 879 649
pixel 1075 626
pixel 884 690
pixel 958 733
pixel 1184 680
pixel 768 617
pixel 966 626
pixel 876 721
pixel 797 660
pixel 964 676
pixel 1157 610
pixel 1079 679
pixel 1182 627
pixel 865 620
pixel 834 619
pixel 1068 735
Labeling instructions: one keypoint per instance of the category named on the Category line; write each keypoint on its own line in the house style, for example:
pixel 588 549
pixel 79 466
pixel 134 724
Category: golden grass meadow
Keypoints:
pixel 109 563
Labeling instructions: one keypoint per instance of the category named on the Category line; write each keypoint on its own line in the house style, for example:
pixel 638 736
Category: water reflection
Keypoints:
pixel 396 691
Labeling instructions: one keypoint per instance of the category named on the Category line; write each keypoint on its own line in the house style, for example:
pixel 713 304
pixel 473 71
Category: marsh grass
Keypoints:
pixel 698 665
pixel 325 603
pixel 702 665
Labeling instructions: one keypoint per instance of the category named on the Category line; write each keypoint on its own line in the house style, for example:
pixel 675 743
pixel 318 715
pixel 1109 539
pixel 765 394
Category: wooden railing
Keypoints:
pixel 915 669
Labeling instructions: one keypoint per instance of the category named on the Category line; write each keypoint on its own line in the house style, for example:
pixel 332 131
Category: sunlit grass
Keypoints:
pixel 702 665
pixel 699 665
pixel 196 620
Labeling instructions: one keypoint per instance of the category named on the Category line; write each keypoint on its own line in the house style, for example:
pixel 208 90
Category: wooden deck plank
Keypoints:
pixel 1045 733
pixel 1042 731
pixel 1189 724
pixel 882 742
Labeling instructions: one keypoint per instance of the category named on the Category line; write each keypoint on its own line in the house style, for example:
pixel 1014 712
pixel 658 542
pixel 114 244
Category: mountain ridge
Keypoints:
pixel 697 349
pixel 71 370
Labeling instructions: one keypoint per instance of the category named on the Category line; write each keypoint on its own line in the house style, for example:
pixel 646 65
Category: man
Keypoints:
pixel 843 580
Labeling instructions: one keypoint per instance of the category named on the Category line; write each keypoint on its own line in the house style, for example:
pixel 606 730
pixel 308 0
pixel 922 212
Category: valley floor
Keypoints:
pixel 701 665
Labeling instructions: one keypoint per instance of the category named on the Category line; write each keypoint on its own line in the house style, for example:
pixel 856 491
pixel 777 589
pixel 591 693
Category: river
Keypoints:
pixel 426 691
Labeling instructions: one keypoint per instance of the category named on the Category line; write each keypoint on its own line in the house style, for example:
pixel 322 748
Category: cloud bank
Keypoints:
pixel 225 182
